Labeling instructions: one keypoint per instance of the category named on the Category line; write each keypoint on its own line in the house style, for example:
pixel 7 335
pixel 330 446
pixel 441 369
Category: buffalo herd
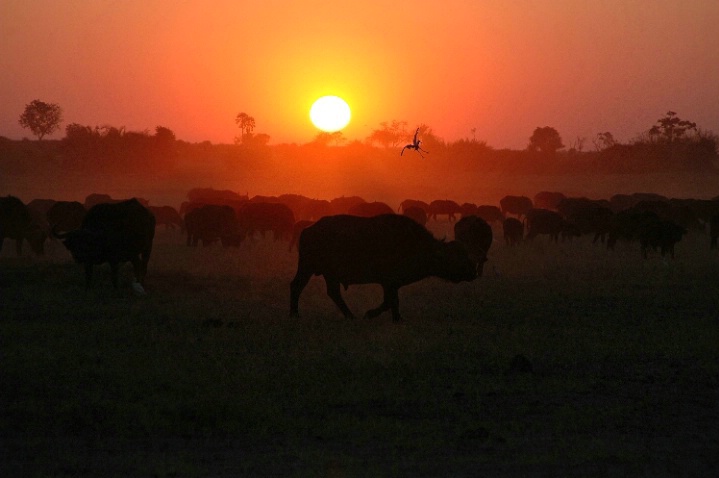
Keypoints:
pixel 348 240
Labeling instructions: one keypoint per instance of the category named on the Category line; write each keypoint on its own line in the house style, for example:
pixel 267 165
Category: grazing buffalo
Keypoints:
pixel 41 206
pixel 390 250
pixel 370 209
pixel 441 207
pixel 517 205
pixel 476 235
pixel 548 200
pixel 167 216
pixel 621 202
pixel 544 221
pixel 418 214
pixel 342 205
pixel 113 233
pixel 214 196
pixel 468 209
pixel 490 213
pixel 302 207
pixel 66 215
pixel 662 235
pixel 210 223
pixel 16 222
pixel 587 216
pixel 628 225
pixel 266 216
pixel 513 231
pixel 188 206
pixel 314 209
pixel 97 198
pixel 407 203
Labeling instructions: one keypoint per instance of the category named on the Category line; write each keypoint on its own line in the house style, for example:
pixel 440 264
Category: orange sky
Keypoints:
pixel 501 67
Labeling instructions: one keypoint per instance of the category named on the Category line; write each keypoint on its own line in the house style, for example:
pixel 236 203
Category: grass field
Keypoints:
pixel 207 375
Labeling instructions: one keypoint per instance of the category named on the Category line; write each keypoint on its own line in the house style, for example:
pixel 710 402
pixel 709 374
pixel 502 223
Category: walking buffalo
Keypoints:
pixel 390 250
pixel 114 233
pixel 441 207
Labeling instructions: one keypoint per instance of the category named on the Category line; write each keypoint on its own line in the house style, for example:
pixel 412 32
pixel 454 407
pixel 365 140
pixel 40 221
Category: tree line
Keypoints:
pixel 671 144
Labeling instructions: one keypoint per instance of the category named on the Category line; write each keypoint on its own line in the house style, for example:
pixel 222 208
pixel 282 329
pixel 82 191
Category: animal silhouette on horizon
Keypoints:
pixel 414 145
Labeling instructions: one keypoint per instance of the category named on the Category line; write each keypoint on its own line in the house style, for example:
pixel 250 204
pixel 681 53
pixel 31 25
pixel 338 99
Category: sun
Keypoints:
pixel 330 113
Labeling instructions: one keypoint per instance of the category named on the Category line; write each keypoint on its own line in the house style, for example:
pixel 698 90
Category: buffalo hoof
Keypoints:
pixel 137 289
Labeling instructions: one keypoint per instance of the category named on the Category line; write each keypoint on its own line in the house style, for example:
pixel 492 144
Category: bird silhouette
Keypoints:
pixel 414 145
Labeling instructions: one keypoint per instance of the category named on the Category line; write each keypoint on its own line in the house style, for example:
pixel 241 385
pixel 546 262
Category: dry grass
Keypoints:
pixel 208 376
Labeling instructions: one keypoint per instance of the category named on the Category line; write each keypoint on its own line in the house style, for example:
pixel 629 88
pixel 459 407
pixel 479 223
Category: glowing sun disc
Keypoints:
pixel 330 113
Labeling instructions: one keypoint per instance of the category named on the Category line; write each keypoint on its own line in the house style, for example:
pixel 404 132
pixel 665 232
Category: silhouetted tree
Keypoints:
pixel 325 138
pixel 430 141
pixel 261 139
pixel 78 134
pixel 671 128
pixel 390 135
pixel 164 145
pixel 164 135
pixel 577 146
pixel 546 140
pixel 247 126
pixel 604 141
pixel 41 118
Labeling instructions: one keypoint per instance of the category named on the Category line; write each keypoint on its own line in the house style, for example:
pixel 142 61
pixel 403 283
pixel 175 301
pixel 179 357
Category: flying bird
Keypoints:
pixel 414 145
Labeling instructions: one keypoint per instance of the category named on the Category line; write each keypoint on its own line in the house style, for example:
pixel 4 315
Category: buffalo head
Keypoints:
pixel 453 263
pixel 85 245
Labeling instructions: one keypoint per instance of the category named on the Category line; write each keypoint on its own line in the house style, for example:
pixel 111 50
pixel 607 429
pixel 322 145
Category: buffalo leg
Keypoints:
pixel 144 260
pixel 333 290
pixel 139 266
pixel 296 287
pixel 391 301
pixel 18 246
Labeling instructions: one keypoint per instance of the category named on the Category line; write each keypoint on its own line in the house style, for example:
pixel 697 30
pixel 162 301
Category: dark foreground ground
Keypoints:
pixel 208 376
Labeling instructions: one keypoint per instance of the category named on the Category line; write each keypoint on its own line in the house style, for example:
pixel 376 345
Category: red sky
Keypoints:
pixel 502 68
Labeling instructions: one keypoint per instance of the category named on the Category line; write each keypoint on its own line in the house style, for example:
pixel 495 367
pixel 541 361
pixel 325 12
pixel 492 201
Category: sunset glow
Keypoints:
pixel 330 113
pixel 497 68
